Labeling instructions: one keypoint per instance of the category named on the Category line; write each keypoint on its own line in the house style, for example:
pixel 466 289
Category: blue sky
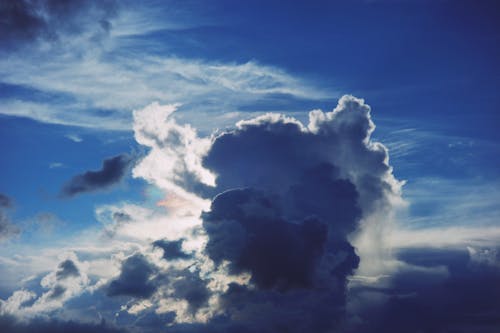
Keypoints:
pixel 94 172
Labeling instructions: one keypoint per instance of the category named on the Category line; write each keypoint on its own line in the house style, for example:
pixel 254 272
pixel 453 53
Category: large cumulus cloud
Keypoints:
pixel 285 200
pixel 258 227
pixel 289 197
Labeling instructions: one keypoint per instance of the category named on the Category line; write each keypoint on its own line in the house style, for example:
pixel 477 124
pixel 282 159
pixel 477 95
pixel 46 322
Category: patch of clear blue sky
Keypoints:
pixel 428 66
pixel 39 158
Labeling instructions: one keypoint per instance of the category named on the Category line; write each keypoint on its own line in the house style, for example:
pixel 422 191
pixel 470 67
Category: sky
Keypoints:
pixel 249 166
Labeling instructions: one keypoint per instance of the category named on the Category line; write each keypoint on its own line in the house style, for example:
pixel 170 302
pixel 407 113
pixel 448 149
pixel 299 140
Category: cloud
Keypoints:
pixel 53 290
pixel 56 165
pixel 190 287
pixel 172 250
pixel 330 169
pixel 67 269
pixel 456 237
pixel 287 198
pixel 441 202
pixel 465 299
pixel 134 279
pixel 27 21
pixel 112 171
pixel 42 223
pixel 5 201
pixel 93 67
pixel 175 157
pixel 285 201
pixel 245 228
pixel 11 324
pixel 74 138
pixel 296 235
pixel 7 228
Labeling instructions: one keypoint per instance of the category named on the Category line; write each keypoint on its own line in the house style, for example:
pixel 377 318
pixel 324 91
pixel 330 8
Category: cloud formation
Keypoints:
pixel 112 171
pixel 285 199
pixel 5 201
pixel 134 279
pixel 443 290
pixel 29 21
pixel 7 228
pixel 66 269
pixel 246 228
pixel 172 250
pixel 93 68
pixel 11 324
pixel 272 226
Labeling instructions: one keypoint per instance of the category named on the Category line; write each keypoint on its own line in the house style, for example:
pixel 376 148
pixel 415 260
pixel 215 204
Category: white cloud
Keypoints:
pixel 174 161
pixel 74 138
pixel 443 237
pixel 56 165
pixel 101 88
pixel 447 202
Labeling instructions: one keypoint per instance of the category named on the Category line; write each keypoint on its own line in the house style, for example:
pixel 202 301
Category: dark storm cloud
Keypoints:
pixel 141 279
pixel 135 278
pixel 67 269
pixel 287 199
pixel 112 171
pixel 191 288
pixel 275 153
pixel 466 299
pixel 10 324
pixel 25 21
pixel 246 227
pixel 172 249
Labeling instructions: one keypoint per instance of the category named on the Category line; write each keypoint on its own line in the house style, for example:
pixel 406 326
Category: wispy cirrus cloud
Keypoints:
pixel 95 82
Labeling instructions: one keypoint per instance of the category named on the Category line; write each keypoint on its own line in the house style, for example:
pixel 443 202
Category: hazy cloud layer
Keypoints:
pixel 93 68
pixel 447 290
pixel 7 228
pixel 11 324
pixel 5 201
